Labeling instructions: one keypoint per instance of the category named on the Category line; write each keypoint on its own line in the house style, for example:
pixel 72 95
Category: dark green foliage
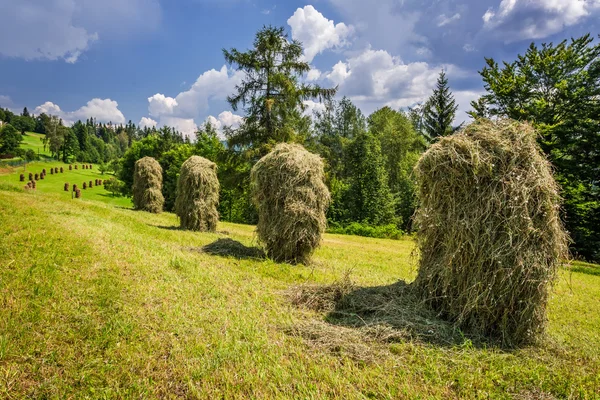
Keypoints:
pixel 557 87
pixel 389 231
pixel 10 139
pixel 23 123
pixel 368 197
pixel 113 185
pixel 439 110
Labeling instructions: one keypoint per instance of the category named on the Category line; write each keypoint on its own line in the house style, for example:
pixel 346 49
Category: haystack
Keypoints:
pixel 66 187
pixel 198 195
pixel 36 177
pixel 490 235
pixel 90 184
pixel 51 171
pixel 61 170
pixel 147 185
pixel 84 186
pixel 33 184
pixel 30 176
pixel 22 178
pixel 78 194
pixel 291 198
pixel 70 167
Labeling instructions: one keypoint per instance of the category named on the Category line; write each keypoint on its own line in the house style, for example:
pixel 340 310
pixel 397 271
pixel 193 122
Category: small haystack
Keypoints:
pixel 78 194
pixel 90 185
pixel 147 185
pixel 66 187
pixel 30 176
pixel 198 195
pixel 36 177
pixel 33 184
pixel 74 188
pixel 84 186
pixel 75 166
pixel 291 198
pixel 61 170
pixel 490 235
pixel 51 171
pixel 22 178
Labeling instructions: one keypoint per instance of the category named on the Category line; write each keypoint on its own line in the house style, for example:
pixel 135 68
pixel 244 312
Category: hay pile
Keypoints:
pixel 30 176
pixel 66 187
pixel 77 194
pixel 22 178
pixel 147 185
pixel 198 195
pixel 84 185
pixel 70 167
pixel 490 236
pixel 291 199
pixel 61 170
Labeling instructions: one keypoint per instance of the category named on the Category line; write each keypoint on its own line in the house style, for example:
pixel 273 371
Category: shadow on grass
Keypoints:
pixel 226 247
pixel 356 317
pixel 584 268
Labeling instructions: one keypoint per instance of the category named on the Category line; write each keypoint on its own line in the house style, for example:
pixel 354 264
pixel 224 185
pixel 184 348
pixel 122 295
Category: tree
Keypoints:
pixel 25 113
pixel 401 148
pixel 54 135
pixel 70 147
pixel 368 197
pixel 557 88
pixel 10 139
pixel 23 123
pixel 270 91
pixel 114 186
pixel 440 110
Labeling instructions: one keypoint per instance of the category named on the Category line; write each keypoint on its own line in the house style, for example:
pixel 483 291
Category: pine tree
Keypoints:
pixel 368 197
pixel 270 91
pixel 440 110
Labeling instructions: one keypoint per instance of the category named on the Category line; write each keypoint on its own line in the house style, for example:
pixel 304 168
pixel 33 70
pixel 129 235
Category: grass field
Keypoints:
pixel 100 301
pixel 33 141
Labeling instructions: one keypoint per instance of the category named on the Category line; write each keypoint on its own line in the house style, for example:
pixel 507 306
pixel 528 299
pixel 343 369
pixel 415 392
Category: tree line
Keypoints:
pixel 369 159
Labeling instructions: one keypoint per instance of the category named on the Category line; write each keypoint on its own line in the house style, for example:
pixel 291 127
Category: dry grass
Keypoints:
pixel 147 186
pixel 490 236
pixel 291 199
pixel 198 195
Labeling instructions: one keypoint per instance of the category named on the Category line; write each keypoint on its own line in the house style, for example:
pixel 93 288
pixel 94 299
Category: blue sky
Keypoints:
pixel 160 62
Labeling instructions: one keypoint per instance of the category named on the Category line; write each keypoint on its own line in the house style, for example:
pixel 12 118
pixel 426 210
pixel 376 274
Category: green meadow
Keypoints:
pixel 100 301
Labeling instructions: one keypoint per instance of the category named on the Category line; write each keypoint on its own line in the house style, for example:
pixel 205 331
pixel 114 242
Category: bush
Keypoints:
pixel 389 231
pixel 291 199
pixel 147 186
pixel 198 195
pixel 490 236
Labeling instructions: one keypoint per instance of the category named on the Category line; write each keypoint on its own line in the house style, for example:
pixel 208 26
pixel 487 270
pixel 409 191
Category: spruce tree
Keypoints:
pixel 440 110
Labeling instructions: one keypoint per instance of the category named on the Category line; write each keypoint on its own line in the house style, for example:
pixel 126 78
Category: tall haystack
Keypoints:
pixel 198 195
pixel 66 187
pixel 147 185
pixel 291 198
pixel 22 178
pixel 490 235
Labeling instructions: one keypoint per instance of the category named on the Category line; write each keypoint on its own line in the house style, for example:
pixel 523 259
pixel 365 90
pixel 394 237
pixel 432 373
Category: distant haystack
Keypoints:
pixel 147 185
pixel 66 187
pixel 198 195
pixel 490 236
pixel 291 198
pixel 22 178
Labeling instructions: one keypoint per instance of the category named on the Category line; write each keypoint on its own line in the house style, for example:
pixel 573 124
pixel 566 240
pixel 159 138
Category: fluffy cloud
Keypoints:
pixel 536 19
pixel 225 119
pixel 375 76
pixel 103 110
pixel 146 122
pixel 64 29
pixel 159 105
pixel 313 75
pixel 186 126
pixel 5 101
pixel 312 106
pixel 316 32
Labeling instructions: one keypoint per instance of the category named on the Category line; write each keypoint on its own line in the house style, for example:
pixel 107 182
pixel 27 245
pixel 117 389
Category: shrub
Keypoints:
pixel 490 236
pixel 147 185
pixel 291 199
pixel 389 231
pixel 198 195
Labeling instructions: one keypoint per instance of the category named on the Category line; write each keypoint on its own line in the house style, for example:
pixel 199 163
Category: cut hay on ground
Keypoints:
pixel 490 236
pixel 198 195
pixel 291 198
pixel 147 186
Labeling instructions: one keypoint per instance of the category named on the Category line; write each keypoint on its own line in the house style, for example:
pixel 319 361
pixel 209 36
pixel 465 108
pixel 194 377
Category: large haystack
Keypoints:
pixel 147 185
pixel 198 195
pixel 490 236
pixel 291 199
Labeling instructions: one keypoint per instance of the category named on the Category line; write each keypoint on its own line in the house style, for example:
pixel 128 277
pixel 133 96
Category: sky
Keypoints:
pixel 160 62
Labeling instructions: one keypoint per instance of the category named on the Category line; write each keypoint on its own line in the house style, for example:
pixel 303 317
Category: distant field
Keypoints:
pixel 33 141
pixel 102 302
pixel 55 183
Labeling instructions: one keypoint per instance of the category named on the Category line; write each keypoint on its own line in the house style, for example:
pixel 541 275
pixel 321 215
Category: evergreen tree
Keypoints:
pixel 10 139
pixel 440 110
pixel 368 197
pixel 25 113
pixel 270 91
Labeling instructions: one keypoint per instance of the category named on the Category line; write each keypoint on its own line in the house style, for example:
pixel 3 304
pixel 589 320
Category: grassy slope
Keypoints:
pixel 104 302
pixel 33 141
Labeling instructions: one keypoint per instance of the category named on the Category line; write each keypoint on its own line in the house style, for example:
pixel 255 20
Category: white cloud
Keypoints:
pixel 313 75
pixel 5 101
pixel 535 19
pixel 146 122
pixel 468 48
pixel 444 20
pixel 226 118
pixel 186 126
pixel 64 29
pixel 312 106
pixel 159 105
pixel 316 32
pixel 103 110
pixel 338 73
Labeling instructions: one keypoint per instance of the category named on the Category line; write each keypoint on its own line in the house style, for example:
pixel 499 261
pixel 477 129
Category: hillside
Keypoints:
pixel 101 301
